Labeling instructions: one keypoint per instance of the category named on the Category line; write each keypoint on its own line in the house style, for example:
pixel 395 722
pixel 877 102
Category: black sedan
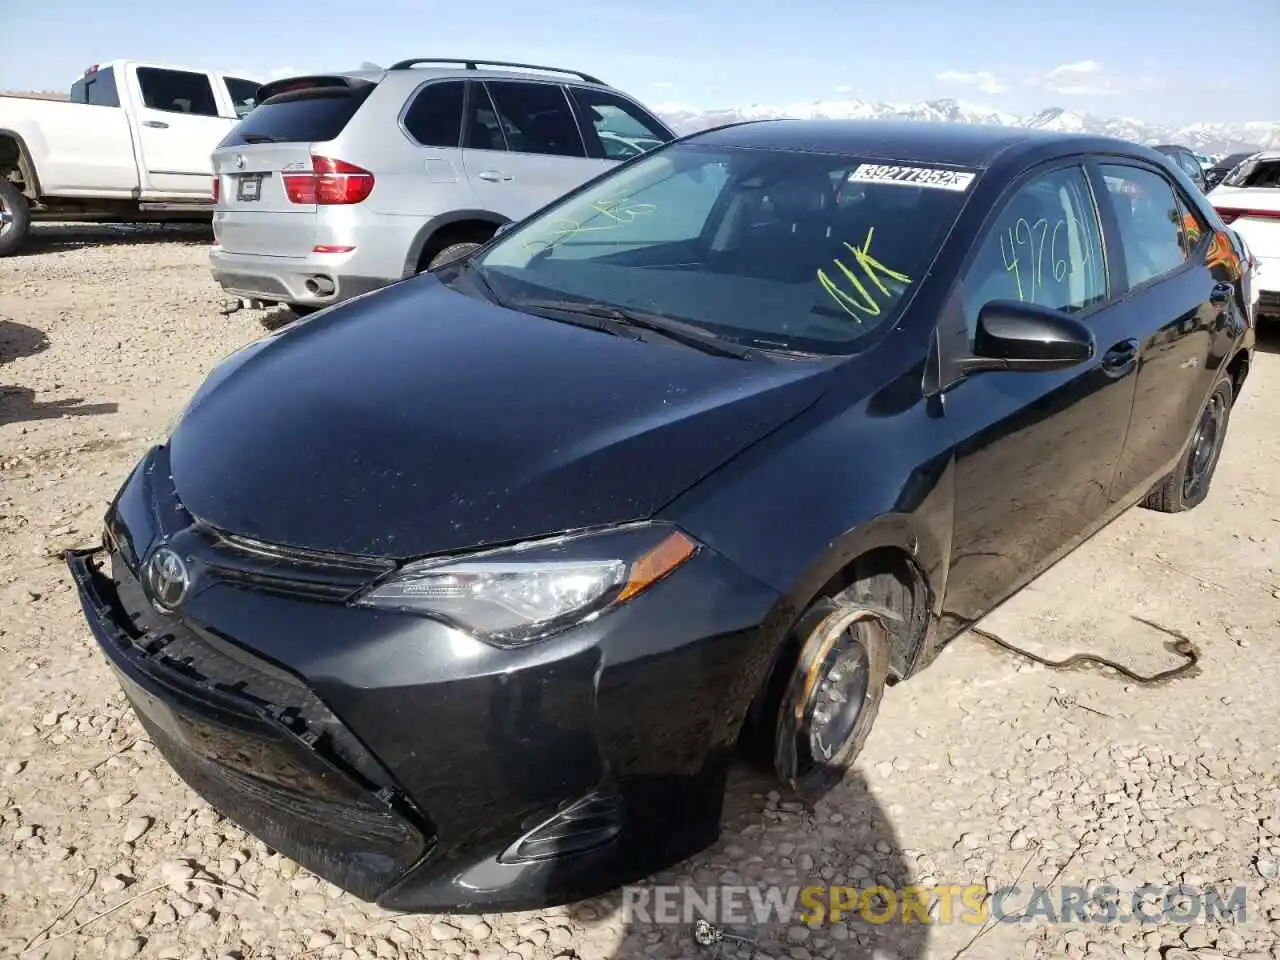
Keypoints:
pixel 466 593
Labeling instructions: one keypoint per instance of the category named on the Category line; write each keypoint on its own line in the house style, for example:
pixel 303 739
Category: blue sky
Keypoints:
pixel 1160 60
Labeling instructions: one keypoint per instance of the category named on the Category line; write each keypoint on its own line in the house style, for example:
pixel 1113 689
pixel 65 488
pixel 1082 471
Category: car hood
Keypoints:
pixel 418 421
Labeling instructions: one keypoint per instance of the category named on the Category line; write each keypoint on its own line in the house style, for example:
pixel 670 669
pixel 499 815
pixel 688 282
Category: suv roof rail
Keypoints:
pixel 476 64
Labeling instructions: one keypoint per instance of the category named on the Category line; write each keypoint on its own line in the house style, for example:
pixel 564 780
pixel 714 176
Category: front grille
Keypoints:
pixel 260 746
pixel 1269 302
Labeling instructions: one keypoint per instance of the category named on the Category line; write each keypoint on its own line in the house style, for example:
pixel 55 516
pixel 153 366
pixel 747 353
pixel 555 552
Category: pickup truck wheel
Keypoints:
pixel 832 697
pixel 1188 485
pixel 15 218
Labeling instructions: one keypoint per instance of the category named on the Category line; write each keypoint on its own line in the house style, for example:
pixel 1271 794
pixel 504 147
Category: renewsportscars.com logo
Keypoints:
pixel 943 904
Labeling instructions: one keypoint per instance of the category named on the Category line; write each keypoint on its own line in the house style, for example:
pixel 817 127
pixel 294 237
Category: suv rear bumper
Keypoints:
pixel 315 281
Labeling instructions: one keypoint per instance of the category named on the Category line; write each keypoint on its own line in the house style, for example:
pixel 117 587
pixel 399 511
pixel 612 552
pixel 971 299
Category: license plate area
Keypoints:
pixel 249 188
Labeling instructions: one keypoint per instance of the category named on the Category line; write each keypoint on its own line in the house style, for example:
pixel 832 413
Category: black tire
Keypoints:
pixel 1188 485
pixel 806 755
pixel 452 252
pixel 15 219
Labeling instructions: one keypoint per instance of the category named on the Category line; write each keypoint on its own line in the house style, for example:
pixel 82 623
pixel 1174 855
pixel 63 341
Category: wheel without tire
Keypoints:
pixel 832 697
pixel 452 252
pixel 15 218
pixel 1188 485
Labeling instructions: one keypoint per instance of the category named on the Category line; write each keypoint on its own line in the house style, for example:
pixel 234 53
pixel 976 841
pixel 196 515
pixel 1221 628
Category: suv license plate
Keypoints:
pixel 249 188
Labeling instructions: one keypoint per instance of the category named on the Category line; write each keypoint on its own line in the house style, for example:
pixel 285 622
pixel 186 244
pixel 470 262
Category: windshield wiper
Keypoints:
pixel 259 138
pixel 677 331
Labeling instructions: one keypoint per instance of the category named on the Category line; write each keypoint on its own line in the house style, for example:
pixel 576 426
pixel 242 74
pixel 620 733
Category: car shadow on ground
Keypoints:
pixel 780 849
pixel 17 340
pixel 54 237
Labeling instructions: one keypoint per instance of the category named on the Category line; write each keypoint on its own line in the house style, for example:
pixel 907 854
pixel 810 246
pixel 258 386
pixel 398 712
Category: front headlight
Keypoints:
pixel 516 595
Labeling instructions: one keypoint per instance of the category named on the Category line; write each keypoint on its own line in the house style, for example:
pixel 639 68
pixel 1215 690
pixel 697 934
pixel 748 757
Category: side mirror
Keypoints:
pixel 1025 337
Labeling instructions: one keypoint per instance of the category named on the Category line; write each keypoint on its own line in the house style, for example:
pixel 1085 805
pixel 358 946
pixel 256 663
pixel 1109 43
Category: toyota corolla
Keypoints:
pixel 466 593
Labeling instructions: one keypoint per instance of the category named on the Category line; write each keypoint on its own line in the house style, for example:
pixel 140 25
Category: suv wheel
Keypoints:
pixel 452 252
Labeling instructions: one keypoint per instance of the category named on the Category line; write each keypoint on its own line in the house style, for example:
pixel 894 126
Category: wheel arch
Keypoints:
pixel 453 220
pixel 891 545
pixel 14 149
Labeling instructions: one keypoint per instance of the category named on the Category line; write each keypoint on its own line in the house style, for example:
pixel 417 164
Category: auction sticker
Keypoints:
pixel 956 180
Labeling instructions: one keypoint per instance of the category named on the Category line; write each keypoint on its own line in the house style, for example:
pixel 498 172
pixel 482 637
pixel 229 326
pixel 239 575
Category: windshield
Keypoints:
pixel 797 251
pixel 1255 173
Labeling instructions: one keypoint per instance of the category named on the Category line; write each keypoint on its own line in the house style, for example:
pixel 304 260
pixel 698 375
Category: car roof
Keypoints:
pixel 411 77
pixel 921 141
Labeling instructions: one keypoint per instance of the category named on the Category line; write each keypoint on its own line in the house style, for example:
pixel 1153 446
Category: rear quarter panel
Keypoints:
pixel 79 150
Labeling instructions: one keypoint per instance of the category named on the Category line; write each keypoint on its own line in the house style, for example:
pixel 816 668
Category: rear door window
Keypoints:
pixel 434 118
pixel 244 95
pixel 177 91
pixel 1152 233
pixel 312 115
pixel 622 129
pixel 536 118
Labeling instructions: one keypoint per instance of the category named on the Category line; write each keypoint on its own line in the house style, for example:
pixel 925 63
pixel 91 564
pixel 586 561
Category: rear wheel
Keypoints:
pixel 454 251
pixel 1188 485
pixel 15 218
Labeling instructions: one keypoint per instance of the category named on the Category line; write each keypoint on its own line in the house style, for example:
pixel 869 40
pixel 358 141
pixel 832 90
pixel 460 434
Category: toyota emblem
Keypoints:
pixel 167 578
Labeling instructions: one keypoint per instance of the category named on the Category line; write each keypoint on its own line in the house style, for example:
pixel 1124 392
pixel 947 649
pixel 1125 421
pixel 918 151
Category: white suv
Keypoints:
pixel 336 185
pixel 1249 200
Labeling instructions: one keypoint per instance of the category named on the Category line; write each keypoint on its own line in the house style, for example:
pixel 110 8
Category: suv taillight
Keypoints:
pixel 329 183
pixel 217 188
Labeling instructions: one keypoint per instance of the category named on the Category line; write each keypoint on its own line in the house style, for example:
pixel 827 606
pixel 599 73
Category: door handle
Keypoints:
pixel 1221 294
pixel 158 124
pixel 1121 358
pixel 494 176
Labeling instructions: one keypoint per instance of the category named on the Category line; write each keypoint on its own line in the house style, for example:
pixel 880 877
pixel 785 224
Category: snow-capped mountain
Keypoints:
pixel 1209 138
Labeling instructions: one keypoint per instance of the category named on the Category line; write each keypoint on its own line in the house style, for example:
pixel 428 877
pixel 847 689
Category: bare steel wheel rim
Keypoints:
pixel 837 701
pixel 6 218
pixel 1204 447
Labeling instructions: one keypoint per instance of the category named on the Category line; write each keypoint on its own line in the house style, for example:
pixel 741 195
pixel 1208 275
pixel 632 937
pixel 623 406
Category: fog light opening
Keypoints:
pixel 583 825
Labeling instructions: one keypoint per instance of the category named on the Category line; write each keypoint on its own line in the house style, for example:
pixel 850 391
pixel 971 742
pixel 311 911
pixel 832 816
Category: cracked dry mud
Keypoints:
pixel 983 769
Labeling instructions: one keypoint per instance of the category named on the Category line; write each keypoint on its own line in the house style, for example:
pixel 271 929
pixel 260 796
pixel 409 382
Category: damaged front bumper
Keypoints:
pixel 406 762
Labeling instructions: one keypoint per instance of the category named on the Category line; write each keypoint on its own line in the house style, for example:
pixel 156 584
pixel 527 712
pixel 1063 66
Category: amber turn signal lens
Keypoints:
pixel 656 563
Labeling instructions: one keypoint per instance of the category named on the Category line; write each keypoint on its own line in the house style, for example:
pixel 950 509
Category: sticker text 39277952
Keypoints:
pixel 955 180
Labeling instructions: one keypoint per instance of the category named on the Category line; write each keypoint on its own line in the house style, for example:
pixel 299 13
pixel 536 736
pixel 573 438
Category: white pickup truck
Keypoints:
pixel 131 145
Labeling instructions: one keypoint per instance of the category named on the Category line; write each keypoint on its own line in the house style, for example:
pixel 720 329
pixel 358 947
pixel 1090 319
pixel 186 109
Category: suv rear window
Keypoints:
pixel 309 115
pixel 1255 173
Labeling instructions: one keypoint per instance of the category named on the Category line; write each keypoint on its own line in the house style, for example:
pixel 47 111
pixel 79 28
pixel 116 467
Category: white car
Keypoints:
pixel 1249 201
pixel 130 144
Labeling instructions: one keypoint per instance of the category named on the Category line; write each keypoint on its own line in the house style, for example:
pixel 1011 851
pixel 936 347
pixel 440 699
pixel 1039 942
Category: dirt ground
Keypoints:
pixel 985 769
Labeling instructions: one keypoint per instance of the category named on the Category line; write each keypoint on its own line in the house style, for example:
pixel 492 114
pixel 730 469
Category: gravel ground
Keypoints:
pixel 984 769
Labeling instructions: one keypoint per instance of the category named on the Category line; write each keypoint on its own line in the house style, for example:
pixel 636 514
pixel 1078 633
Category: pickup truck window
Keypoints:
pixel 244 94
pixel 177 91
pixel 97 89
